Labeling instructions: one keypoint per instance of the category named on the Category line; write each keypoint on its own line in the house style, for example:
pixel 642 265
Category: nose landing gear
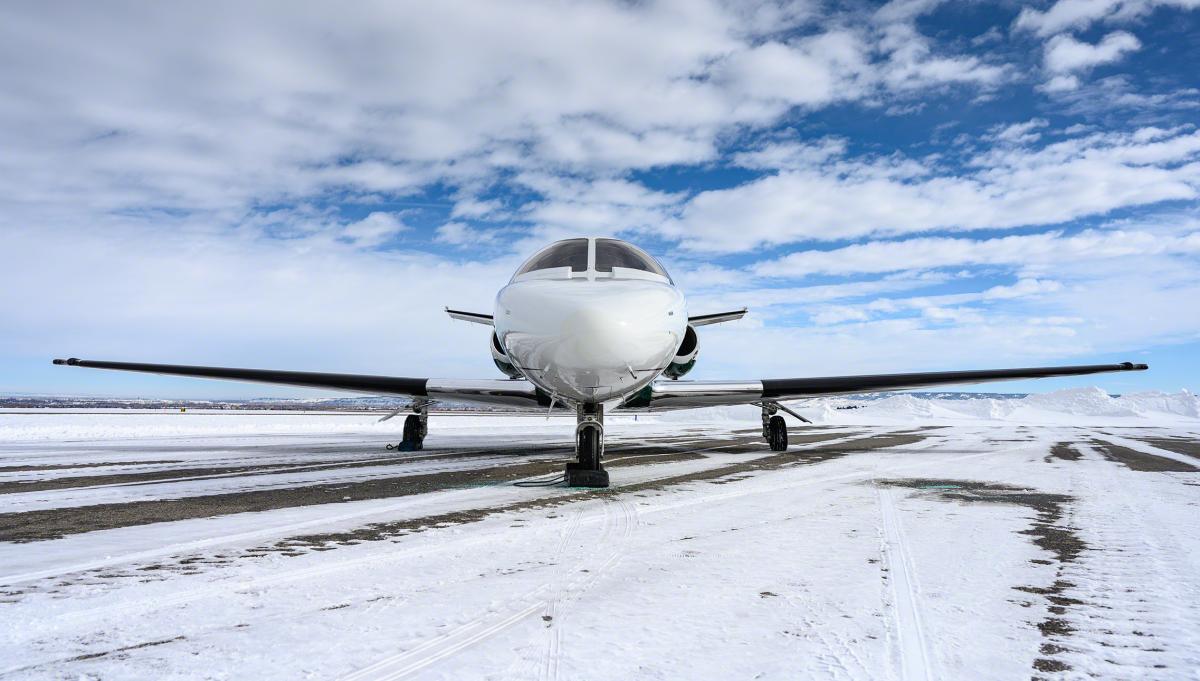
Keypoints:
pixel 587 470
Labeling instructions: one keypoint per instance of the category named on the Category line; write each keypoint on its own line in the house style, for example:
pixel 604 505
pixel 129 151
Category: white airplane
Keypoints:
pixel 595 324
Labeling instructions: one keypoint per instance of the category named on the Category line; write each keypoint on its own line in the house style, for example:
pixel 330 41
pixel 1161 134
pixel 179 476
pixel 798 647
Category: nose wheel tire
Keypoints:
pixel 587 470
pixel 777 434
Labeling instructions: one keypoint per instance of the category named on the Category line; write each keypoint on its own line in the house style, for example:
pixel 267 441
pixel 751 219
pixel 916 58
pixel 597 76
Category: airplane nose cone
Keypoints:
pixel 601 335
pixel 594 340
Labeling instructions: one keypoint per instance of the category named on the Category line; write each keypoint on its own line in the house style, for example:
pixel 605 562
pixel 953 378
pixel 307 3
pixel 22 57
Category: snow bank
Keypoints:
pixel 1074 405
pixel 1084 406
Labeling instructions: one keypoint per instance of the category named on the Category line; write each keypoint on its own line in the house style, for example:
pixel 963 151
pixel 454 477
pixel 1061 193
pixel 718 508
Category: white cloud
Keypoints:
pixel 1002 188
pixel 183 296
pixel 459 234
pixel 1065 54
pixel 1060 84
pixel 1079 14
pixel 373 230
pixel 200 161
pixel 1015 251
pixel 474 208
pixel 1077 305
pixel 1019 133
pixel 1117 93
pixel 129 106
pixel 791 155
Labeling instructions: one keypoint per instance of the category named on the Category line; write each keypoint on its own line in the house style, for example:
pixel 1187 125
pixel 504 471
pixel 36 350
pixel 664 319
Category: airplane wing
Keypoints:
pixel 687 394
pixel 665 395
pixel 498 392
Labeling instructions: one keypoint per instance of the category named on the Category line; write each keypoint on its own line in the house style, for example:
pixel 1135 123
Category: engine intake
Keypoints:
pixel 500 357
pixel 685 356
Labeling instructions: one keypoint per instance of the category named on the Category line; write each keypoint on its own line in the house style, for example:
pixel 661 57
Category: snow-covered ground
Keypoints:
pixel 1053 536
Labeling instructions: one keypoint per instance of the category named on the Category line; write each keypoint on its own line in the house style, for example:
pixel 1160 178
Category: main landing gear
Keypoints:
pixel 587 470
pixel 774 429
pixel 415 428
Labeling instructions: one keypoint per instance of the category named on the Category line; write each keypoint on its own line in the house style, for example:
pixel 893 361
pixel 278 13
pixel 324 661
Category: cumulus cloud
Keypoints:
pixel 140 293
pixel 791 155
pixel 1009 187
pixel 1060 84
pixel 1019 133
pixel 247 175
pixel 1034 249
pixel 459 234
pixel 1065 54
pixel 1066 15
pixel 239 105
pixel 373 230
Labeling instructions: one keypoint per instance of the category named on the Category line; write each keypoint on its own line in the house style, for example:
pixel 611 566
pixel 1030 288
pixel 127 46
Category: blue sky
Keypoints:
pixel 904 186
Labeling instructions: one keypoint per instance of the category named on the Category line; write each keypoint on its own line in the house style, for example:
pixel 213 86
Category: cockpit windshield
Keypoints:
pixel 571 253
pixel 612 253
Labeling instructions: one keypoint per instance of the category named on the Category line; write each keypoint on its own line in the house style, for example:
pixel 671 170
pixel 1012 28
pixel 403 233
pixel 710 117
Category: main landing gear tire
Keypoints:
pixel 777 434
pixel 414 435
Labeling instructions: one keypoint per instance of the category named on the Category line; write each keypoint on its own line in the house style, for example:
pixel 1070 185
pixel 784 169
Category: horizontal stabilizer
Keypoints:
pixel 716 317
pixel 475 317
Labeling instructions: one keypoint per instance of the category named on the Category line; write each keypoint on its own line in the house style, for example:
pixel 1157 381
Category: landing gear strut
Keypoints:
pixel 415 428
pixel 774 429
pixel 587 470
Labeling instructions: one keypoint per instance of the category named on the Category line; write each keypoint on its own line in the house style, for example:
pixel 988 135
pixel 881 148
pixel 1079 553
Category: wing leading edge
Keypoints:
pixel 684 394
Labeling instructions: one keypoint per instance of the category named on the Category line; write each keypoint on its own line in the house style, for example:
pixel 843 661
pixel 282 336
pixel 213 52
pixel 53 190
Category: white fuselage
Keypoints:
pixel 590 337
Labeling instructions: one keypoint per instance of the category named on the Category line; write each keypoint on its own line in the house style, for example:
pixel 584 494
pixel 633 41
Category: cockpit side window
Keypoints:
pixel 612 253
pixel 571 253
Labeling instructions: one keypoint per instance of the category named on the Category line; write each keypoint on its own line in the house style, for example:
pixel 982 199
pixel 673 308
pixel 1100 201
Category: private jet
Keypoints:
pixel 592 325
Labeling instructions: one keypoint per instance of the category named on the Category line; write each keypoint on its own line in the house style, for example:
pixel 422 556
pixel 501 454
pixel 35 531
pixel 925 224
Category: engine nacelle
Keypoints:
pixel 685 356
pixel 500 357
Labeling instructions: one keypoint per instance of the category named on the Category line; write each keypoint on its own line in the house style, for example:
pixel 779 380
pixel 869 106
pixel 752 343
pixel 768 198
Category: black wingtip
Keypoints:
pixel 69 362
pixel 1130 366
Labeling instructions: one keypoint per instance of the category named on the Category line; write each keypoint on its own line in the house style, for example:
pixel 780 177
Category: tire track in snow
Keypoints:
pixel 573 591
pixel 1135 547
pixel 510 616
pixel 554 640
pixel 496 621
pixel 909 629
pixel 697 498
